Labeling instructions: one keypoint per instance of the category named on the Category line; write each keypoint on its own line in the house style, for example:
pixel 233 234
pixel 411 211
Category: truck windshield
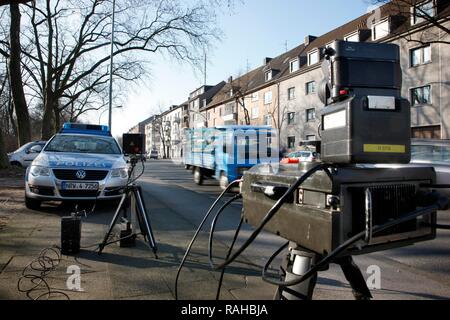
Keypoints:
pixel 83 144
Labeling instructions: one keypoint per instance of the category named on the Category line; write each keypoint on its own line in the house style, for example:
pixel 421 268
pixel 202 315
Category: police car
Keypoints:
pixel 82 162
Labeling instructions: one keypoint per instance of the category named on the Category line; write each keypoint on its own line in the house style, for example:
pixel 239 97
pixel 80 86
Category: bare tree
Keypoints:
pixel 422 12
pixel 66 47
pixel 12 52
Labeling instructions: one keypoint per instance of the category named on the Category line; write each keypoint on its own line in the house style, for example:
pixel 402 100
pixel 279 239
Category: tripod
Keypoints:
pixel 132 199
pixel 299 261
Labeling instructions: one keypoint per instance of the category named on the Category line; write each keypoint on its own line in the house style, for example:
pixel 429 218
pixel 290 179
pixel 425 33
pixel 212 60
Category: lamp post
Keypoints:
pixel 103 112
pixel 111 67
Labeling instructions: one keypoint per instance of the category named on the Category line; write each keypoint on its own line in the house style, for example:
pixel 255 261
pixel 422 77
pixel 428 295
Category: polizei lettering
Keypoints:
pixel 246 310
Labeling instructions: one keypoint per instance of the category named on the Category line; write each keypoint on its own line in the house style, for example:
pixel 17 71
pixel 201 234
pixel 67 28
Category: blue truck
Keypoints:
pixel 226 153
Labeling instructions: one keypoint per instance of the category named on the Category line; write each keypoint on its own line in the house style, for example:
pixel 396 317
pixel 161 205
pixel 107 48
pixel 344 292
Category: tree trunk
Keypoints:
pixel 48 121
pixel 4 162
pixel 15 74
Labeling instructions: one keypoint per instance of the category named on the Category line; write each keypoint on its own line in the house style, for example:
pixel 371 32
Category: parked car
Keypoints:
pixel 428 153
pixel 80 163
pixel 26 154
pixel 301 156
pixel 154 155
pixel 435 153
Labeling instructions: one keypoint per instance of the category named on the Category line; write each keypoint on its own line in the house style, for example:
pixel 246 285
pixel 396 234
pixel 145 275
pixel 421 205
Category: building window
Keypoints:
pixel 354 37
pixel 268 120
pixel 420 56
pixel 311 138
pixel 291 118
pixel 294 65
pixel 291 93
pixel 313 57
pixel 423 12
pixel 380 30
pixel 255 97
pixel 310 115
pixel 268 97
pixel 229 109
pixel 310 87
pixel 421 95
pixel 268 75
pixel 255 112
pixel 291 143
pixel 431 132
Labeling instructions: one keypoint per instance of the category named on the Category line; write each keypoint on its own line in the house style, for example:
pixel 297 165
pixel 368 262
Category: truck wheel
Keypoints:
pixel 198 176
pixel 223 181
pixel 32 204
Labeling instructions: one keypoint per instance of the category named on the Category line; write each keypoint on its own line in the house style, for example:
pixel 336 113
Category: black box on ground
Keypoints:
pixel 70 235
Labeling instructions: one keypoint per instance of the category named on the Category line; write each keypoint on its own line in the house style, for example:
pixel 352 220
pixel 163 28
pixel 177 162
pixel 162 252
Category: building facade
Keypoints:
pixel 283 91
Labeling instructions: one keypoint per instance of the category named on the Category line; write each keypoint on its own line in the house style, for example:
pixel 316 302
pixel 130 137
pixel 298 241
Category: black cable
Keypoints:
pixel 222 272
pixel 213 228
pixel 327 260
pixel 272 213
pixel 36 273
pixel 183 261
pixel 437 226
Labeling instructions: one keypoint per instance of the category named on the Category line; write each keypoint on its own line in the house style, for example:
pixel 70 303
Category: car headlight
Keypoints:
pixel 38 171
pixel 120 173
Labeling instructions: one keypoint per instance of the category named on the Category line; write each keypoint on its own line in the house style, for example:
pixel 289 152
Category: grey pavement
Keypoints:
pixel 177 206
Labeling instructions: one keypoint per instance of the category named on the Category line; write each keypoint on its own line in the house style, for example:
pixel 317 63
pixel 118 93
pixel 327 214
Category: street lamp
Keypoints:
pixel 101 114
pixel 111 68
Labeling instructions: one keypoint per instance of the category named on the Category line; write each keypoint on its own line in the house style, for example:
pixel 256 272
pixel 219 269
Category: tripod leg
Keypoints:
pixel 300 262
pixel 113 223
pixel 355 278
pixel 143 213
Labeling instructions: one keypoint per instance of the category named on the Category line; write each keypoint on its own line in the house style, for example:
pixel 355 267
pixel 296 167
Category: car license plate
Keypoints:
pixel 80 186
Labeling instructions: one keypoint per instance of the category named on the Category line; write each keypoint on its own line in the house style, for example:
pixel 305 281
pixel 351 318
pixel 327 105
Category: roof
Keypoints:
pixel 397 10
pixel 255 79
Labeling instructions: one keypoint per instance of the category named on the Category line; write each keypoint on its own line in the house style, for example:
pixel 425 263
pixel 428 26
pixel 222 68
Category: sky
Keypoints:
pixel 252 30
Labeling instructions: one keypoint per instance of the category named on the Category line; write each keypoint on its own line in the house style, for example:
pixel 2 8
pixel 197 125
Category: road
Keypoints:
pixel 177 206
pixel 420 271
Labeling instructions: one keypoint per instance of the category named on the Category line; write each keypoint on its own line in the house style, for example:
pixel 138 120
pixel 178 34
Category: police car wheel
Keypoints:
pixel 16 164
pixel 198 176
pixel 223 181
pixel 32 204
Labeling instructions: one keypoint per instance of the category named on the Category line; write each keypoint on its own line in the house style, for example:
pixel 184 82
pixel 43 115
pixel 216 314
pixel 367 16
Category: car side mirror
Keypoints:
pixel 35 149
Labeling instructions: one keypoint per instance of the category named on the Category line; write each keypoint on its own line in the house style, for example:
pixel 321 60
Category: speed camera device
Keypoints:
pixel 365 119
pixel 133 144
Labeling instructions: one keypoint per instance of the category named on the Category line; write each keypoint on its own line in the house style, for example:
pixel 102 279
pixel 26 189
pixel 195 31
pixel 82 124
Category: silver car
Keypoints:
pixel 434 153
pixel 77 165
pixel 26 154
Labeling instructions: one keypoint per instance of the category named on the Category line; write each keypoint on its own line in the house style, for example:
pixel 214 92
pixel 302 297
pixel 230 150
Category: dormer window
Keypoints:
pixel 423 12
pixel 294 65
pixel 231 93
pixel 313 57
pixel 268 75
pixel 380 30
pixel 352 37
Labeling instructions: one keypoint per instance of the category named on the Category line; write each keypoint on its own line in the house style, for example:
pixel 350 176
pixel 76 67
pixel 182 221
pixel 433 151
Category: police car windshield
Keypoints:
pixel 83 144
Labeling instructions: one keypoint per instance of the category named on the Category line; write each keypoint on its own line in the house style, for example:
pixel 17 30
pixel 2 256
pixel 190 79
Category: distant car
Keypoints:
pixel 82 162
pixel 428 153
pixel 435 153
pixel 154 155
pixel 301 156
pixel 26 154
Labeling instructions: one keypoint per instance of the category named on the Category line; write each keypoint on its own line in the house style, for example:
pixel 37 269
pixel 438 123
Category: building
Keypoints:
pixel 193 117
pixel 283 91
